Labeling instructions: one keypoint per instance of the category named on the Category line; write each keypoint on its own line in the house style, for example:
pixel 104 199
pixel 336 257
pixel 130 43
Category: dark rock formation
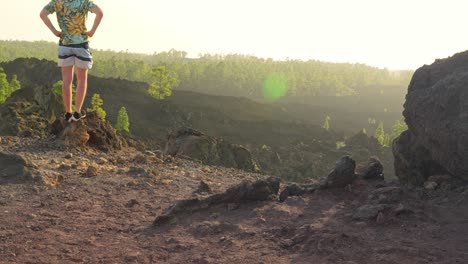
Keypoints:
pixel 22 119
pixel 295 189
pixel 91 131
pixel 209 150
pixel 29 110
pixel 372 169
pixel 343 174
pixel 436 111
pixel 246 191
pixel 203 188
pixel 369 211
pixel 13 169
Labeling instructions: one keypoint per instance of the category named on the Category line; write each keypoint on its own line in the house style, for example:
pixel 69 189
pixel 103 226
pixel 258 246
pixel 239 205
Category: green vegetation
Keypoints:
pixel 7 88
pixel 398 127
pixel 326 124
pixel 380 134
pixel 57 88
pixel 162 83
pixel 123 123
pixel 234 75
pixel 386 139
pixel 96 103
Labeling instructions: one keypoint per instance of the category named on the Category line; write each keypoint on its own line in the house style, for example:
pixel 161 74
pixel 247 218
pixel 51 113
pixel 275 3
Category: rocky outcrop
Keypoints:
pixel 436 111
pixel 23 119
pixel 28 111
pixel 14 169
pixel 91 131
pixel 246 191
pixel 209 150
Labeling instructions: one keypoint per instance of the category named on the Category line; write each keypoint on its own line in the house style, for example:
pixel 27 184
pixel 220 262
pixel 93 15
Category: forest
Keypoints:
pixel 231 75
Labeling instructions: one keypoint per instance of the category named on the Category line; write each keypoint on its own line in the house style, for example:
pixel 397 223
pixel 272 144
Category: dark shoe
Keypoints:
pixel 68 117
pixel 77 116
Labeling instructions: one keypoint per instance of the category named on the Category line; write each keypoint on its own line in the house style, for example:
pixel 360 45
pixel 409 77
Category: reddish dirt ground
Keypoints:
pixel 108 218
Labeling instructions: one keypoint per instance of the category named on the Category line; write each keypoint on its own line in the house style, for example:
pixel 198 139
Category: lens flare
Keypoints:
pixel 275 86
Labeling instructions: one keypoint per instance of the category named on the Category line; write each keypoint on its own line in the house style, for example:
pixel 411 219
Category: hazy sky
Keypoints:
pixel 397 34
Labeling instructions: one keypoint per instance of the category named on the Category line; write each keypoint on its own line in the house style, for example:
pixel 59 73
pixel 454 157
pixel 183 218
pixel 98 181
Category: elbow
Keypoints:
pixel 43 14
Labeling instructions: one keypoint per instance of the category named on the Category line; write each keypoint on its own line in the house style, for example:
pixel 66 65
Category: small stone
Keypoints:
pixel 140 158
pixel 64 167
pixel 430 185
pixel 232 206
pixel 287 243
pixel 132 203
pixel 158 154
pixel 380 218
pixel 369 211
pixel 138 172
pixel 121 160
pixel 150 153
pixel 203 188
pixel 69 156
pixel 101 161
pixel 91 172
pixel 261 219
pixel 401 210
pixel 26 133
pixel 439 179
pixel 80 164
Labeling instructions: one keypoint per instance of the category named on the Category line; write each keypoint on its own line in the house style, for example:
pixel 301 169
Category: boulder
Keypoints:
pixel 91 131
pixel 386 195
pixel 342 174
pixel 369 211
pixel 13 169
pixel 371 169
pixel 212 151
pixel 436 111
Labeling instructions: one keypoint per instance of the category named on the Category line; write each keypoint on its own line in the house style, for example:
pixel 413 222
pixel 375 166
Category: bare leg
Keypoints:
pixel 82 78
pixel 67 78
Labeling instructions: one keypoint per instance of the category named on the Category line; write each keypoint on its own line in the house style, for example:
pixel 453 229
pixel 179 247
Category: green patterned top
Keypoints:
pixel 71 16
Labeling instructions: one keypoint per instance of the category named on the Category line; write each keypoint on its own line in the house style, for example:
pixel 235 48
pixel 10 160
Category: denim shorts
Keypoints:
pixel 75 54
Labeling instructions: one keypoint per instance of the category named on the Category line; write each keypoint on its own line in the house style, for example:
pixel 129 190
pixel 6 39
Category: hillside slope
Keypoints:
pixel 288 138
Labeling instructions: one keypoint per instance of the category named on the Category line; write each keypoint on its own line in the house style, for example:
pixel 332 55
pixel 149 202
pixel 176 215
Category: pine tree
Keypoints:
pixel 326 124
pixel 122 120
pixel 163 82
pixel 380 134
pixel 96 103
pixel 4 86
